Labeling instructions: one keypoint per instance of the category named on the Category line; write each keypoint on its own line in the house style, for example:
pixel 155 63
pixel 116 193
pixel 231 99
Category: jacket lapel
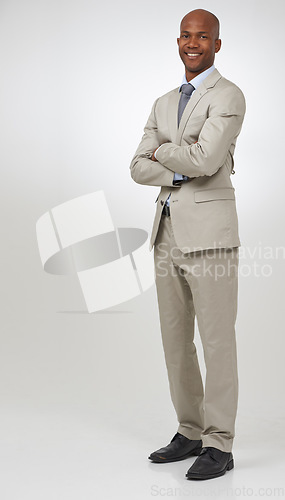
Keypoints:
pixel 172 114
pixel 175 131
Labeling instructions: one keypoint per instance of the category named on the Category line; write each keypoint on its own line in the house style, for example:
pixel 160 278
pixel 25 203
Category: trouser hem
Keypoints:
pixel 189 433
pixel 218 442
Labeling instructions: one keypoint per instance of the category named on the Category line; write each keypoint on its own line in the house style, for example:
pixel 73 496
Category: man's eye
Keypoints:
pixel 184 36
pixel 203 36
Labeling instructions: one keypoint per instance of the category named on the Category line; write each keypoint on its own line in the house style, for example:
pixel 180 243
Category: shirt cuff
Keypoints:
pixel 157 150
pixel 178 177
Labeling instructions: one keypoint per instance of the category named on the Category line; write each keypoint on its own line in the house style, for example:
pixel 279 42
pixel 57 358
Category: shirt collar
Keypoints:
pixel 198 79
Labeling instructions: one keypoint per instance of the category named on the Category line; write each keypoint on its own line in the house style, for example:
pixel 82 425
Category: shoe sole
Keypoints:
pixel 160 460
pixel 230 466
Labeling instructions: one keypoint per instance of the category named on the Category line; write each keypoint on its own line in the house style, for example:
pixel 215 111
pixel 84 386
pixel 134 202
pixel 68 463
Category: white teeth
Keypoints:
pixel 193 55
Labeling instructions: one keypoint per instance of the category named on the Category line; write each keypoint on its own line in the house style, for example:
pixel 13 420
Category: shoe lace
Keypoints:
pixel 210 452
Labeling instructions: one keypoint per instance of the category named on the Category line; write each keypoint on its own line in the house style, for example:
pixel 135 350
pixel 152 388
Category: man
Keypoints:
pixel 187 149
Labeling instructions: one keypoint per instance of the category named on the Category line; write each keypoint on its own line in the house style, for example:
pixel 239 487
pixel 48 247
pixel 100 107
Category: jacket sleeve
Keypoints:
pixel 143 169
pixel 219 131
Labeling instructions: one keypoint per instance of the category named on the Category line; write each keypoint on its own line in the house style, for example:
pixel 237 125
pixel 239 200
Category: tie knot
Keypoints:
pixel 187 89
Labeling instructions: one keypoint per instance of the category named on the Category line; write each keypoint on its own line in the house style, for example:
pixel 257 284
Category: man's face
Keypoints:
pixel 198 43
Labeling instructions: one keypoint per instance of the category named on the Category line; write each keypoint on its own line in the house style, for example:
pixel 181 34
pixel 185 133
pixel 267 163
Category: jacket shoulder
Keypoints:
pixel 229 96
pixel 227 86
pixel 165 97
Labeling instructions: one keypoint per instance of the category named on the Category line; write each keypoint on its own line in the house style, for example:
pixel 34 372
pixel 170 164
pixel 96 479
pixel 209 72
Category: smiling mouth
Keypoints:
pixel 190 54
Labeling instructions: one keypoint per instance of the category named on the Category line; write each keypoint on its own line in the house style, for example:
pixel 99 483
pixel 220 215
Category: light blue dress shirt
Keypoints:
pixel 195 82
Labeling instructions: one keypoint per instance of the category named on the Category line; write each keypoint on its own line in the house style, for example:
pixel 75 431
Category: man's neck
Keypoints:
pixel 190 75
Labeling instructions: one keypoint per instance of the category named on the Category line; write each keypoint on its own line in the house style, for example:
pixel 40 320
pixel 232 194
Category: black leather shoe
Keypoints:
pixel 210 463
pixel 179 448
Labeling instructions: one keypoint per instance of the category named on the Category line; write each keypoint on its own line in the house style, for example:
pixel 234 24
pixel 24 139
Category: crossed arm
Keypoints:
pixel 143 169
pixel 204 157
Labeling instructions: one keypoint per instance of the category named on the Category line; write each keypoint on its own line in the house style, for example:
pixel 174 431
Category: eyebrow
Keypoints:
pixel 200 32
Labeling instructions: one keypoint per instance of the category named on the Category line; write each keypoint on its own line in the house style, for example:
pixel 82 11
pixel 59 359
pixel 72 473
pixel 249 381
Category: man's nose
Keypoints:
pixel 193 42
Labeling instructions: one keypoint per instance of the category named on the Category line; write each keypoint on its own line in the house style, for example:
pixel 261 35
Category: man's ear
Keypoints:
pixel 218 44
pixel 178 41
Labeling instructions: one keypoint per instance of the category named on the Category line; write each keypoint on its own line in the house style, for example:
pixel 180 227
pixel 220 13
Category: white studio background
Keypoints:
pixel 78 79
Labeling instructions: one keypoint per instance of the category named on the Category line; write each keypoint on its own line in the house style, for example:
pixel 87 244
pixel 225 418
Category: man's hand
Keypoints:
pixel 153 157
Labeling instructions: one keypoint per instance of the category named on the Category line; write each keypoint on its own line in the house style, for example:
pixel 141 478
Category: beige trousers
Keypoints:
pixel 202 283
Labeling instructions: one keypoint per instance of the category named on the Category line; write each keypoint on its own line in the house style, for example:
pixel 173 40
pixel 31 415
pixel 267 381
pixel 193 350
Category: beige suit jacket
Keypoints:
pixel 203 210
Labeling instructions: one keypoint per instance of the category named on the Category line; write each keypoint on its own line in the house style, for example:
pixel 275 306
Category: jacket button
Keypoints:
pixel 161 202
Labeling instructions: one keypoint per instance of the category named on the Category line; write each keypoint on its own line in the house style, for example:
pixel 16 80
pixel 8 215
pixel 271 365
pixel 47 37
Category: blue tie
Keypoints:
pixel 186 91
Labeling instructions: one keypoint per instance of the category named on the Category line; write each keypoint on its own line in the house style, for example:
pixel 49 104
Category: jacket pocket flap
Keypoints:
pixel 214 194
